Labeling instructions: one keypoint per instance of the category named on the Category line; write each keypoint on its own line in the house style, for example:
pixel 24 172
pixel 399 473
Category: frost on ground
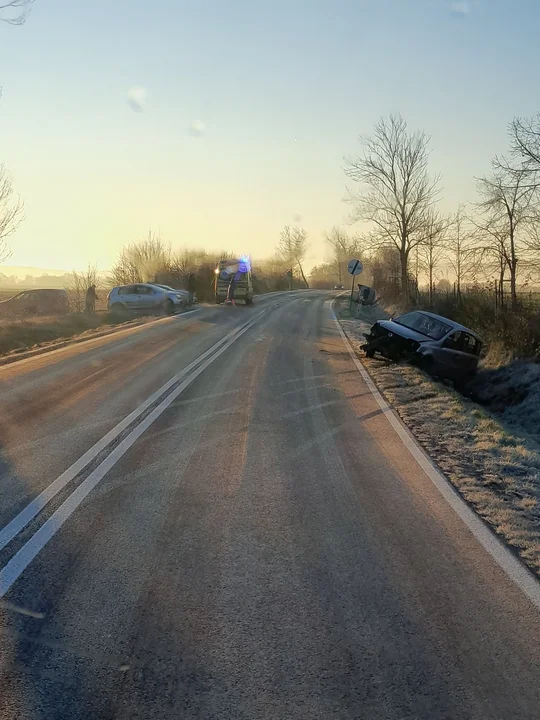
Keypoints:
pixel 513 393
pixel 491 456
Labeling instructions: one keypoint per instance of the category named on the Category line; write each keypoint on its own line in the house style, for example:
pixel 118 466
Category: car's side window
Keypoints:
pixel 453 342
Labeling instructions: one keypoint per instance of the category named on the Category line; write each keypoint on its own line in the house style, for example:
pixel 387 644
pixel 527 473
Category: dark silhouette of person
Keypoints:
pixel 232 286
pixel 191 286
pixel 91 297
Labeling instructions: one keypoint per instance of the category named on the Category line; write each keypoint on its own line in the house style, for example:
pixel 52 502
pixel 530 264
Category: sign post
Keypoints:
pixel 354 267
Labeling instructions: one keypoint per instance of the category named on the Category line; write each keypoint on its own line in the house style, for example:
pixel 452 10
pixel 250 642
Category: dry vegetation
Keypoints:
pixel 492 456
pixel 19 335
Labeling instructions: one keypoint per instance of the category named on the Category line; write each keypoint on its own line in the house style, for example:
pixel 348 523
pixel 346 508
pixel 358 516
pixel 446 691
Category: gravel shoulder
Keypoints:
pixel 491 459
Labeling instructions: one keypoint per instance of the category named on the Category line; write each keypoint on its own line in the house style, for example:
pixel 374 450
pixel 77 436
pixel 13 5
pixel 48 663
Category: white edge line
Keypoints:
pixel 20 561
pixel 516 571
pixel 27 514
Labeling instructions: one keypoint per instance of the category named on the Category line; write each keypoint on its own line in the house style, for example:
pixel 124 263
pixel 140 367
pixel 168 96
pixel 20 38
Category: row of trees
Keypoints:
pixel 409 239
pixel 496 237
pixel 152 260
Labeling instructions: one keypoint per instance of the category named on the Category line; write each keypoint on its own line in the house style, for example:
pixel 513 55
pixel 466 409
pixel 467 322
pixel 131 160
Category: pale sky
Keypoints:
pixel 216 122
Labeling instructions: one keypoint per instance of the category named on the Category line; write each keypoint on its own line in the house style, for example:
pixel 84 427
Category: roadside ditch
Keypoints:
pixel 486 441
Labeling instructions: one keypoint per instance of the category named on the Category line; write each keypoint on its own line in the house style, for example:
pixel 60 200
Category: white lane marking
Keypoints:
pixel 200 398
pixel 296 391
pixel 312 408
pixel 28 513
pixel 20 561
pixel 517 572
pixel 328 376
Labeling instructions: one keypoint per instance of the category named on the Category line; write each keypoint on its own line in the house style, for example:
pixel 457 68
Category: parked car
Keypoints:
pixel 146 297
pixel 182 292
pixel 36 302
pixel 443 347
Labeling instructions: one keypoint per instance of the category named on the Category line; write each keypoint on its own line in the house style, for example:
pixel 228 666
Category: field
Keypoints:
pixel 18 334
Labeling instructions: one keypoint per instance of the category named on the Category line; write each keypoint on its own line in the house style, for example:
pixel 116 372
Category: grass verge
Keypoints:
pixel 16 336
pixel 491 459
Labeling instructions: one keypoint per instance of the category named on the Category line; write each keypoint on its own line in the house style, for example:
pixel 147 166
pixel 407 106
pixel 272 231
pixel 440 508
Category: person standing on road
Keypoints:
pixel 232 287
pixel 91 297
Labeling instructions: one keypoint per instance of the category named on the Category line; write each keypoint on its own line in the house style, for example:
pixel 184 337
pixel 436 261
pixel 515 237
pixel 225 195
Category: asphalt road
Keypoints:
pixel 254 541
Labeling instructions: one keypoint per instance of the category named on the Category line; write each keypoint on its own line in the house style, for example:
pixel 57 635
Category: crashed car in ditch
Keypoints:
pixel 441 346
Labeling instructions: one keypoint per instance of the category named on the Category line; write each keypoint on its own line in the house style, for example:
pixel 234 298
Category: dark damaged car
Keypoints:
pixel 443 347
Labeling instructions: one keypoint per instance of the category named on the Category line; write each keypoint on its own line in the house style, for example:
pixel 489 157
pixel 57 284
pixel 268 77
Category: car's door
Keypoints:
pixel 32 303
pixel 470 350
pixel 446 354
pixel 457 355
pixel 154 297
pixel 129 296
pixel 149 297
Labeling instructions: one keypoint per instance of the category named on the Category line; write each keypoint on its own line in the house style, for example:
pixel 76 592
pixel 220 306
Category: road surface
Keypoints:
pixel 207 518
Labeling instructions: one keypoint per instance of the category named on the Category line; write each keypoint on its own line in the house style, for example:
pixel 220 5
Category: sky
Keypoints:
pixel 217 122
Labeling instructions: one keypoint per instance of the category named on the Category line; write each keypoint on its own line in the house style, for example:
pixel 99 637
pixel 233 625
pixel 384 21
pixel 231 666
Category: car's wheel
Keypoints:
pixel 118 309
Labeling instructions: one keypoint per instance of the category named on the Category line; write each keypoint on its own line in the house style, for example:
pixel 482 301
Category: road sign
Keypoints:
pixel 355 267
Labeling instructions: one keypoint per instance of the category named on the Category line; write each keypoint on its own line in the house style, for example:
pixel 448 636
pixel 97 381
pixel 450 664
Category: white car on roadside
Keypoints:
pixel 147 297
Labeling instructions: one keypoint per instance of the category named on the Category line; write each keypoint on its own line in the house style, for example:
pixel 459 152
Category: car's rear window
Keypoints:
pixel 424 324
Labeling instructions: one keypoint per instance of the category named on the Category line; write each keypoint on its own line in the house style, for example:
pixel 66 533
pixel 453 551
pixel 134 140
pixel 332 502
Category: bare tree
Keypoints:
pixel 292 248
pixel 11 212
pixel 141 261
pixel 397 191
pixel 344 248
pixel 431 251
pixel 300 249
pixel 531 241
pixel 525 140
pixel 508 201
pixel 323 275
pixel 385 272
pixel 462 249
pixel 78 285
pixel 14 11
pixel 124 270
